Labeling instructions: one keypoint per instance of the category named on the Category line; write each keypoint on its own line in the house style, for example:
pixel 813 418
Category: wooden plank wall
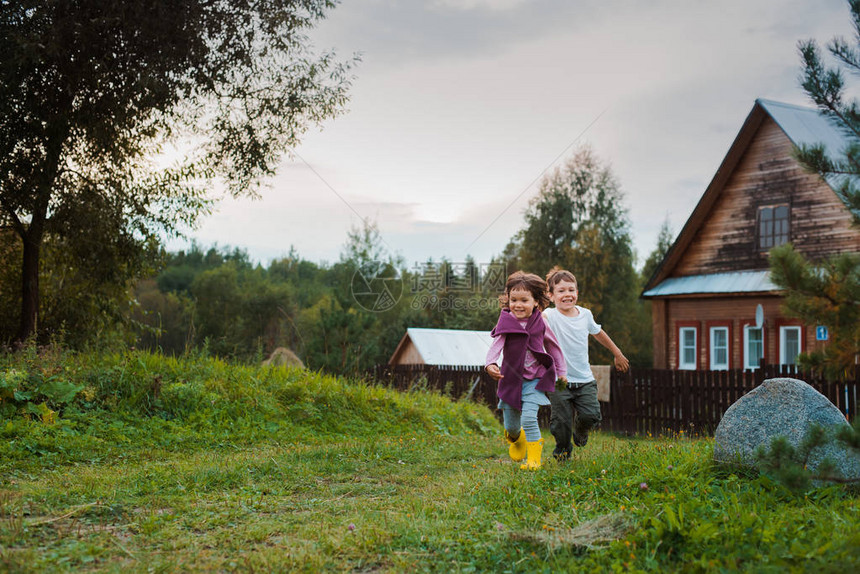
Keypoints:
pixel 738 311
pixel 705 312
pixel 767 175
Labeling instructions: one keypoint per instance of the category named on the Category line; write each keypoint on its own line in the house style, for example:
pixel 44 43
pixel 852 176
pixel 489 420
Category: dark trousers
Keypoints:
pixel 575 405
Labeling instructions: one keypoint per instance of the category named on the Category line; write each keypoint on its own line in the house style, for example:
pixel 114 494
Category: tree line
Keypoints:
pixel 349 315
pixel 94 95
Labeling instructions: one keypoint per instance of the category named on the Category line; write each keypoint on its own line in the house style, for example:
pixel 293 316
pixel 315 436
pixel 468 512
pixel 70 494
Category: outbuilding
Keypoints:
pixel 453 347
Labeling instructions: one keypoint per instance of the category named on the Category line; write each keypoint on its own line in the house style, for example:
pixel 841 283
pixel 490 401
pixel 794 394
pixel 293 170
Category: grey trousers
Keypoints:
pixel 513 420
pixel 578 398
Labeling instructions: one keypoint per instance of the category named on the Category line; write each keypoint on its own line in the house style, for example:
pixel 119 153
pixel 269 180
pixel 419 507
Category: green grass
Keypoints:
pixel 236 468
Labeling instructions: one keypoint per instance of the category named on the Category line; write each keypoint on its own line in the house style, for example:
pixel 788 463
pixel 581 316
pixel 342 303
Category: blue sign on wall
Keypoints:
pixel 821 333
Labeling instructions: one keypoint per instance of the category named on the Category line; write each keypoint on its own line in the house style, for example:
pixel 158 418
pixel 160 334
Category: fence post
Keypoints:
pixel 759 373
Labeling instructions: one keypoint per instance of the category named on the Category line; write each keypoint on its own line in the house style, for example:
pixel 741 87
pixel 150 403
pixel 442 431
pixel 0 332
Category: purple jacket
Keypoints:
pixel 517 340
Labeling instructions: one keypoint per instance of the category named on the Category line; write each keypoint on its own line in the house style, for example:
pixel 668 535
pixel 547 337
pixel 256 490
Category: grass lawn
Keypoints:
pixel 413 492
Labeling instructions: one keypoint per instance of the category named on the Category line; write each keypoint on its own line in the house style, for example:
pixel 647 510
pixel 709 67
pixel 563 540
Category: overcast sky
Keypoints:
pixel 458 108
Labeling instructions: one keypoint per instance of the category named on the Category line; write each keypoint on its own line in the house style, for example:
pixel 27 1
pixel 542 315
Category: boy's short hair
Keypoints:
pixel 529 282
pixel 556 275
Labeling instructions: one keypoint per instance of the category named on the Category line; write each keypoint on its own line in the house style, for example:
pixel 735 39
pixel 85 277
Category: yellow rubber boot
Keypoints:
pixel 517 450
pixel 533 450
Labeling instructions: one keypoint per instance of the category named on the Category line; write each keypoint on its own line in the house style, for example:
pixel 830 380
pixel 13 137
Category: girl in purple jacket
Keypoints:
pixel 531 364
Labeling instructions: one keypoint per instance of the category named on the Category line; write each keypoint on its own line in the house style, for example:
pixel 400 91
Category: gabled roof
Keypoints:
pixel 447 346
pixel 803 126
pixel 807 126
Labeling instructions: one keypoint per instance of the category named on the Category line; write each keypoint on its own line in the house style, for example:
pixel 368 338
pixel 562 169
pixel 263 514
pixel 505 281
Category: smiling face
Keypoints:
pixel 564 295
pixel 522 303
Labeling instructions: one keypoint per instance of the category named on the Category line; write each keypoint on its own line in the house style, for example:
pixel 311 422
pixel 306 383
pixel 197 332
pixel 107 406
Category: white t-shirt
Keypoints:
pixel 572 334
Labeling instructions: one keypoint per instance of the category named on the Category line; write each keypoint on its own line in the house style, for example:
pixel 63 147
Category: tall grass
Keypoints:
pixel 196 465
pixel 137 401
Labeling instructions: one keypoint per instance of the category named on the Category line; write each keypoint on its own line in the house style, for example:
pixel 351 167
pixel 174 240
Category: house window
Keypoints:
pixel 719 348
pixel 753 347
pixel 789 345
pixel 687 348
pixel 772 226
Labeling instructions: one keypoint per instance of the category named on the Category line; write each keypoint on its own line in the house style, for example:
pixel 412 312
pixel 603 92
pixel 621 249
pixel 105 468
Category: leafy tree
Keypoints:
pixel 448 295
pixel 827 293
pixel 582 191
pixel 358 320
pixel 80 299
pixel 578 221
pixel 165 319
pixel 220 297
pixel 642 351
pixel 181 268
pixel 664 242
pixel 344 343
pixel 93 92
pixel 264 304
pixel 217 298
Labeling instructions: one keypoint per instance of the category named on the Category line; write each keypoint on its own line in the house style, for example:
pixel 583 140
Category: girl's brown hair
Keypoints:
pixel 556 275
pixel 528 282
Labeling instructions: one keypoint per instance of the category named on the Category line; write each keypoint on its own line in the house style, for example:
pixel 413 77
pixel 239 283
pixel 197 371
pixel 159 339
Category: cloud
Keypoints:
pixel 459 106
pixel 403 32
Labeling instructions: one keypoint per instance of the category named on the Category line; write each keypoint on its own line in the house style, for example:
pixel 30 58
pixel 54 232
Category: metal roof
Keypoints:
pixel 451 346
pixel 733 282
pixel 808 126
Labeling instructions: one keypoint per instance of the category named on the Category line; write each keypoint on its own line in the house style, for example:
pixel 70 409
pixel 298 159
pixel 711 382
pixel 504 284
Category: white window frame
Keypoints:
pixel 747 329
pixel 783 329
pixel 681 364
pixel 713 349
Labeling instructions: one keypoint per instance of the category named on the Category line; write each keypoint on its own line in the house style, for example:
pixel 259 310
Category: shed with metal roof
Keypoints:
pixel 420 346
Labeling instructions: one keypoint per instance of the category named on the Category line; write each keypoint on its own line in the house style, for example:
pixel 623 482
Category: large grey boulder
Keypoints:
pixel 782 407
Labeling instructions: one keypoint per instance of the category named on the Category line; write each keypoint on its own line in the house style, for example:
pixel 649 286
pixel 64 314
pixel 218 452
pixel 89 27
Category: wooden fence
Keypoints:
pixel 642 401
pixel 455 381
pixel 660 401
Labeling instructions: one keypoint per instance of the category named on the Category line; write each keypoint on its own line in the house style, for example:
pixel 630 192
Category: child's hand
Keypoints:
pixel 494 372
pixel 621 363
pixel 561 383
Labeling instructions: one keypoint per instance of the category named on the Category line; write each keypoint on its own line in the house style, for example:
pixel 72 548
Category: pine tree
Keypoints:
pixel 828 292
pixel 826 87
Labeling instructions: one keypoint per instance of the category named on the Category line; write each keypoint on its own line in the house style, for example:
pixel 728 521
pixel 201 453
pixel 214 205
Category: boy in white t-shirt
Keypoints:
pixel 575 409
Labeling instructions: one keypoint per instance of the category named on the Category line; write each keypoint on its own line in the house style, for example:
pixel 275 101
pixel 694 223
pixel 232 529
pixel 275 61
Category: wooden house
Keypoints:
pixel 706 292
pixel 442 347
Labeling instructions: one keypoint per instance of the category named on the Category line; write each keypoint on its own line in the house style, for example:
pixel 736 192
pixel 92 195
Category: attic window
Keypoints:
pixel 772 226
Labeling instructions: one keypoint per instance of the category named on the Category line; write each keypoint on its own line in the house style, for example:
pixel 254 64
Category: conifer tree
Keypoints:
pixel 828 292
pixel 825 86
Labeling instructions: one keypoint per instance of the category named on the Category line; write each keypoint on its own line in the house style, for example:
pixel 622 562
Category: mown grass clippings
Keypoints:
pixel 588 535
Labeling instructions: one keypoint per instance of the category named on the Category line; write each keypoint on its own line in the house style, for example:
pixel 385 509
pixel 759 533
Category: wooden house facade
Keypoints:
pixel 706 292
